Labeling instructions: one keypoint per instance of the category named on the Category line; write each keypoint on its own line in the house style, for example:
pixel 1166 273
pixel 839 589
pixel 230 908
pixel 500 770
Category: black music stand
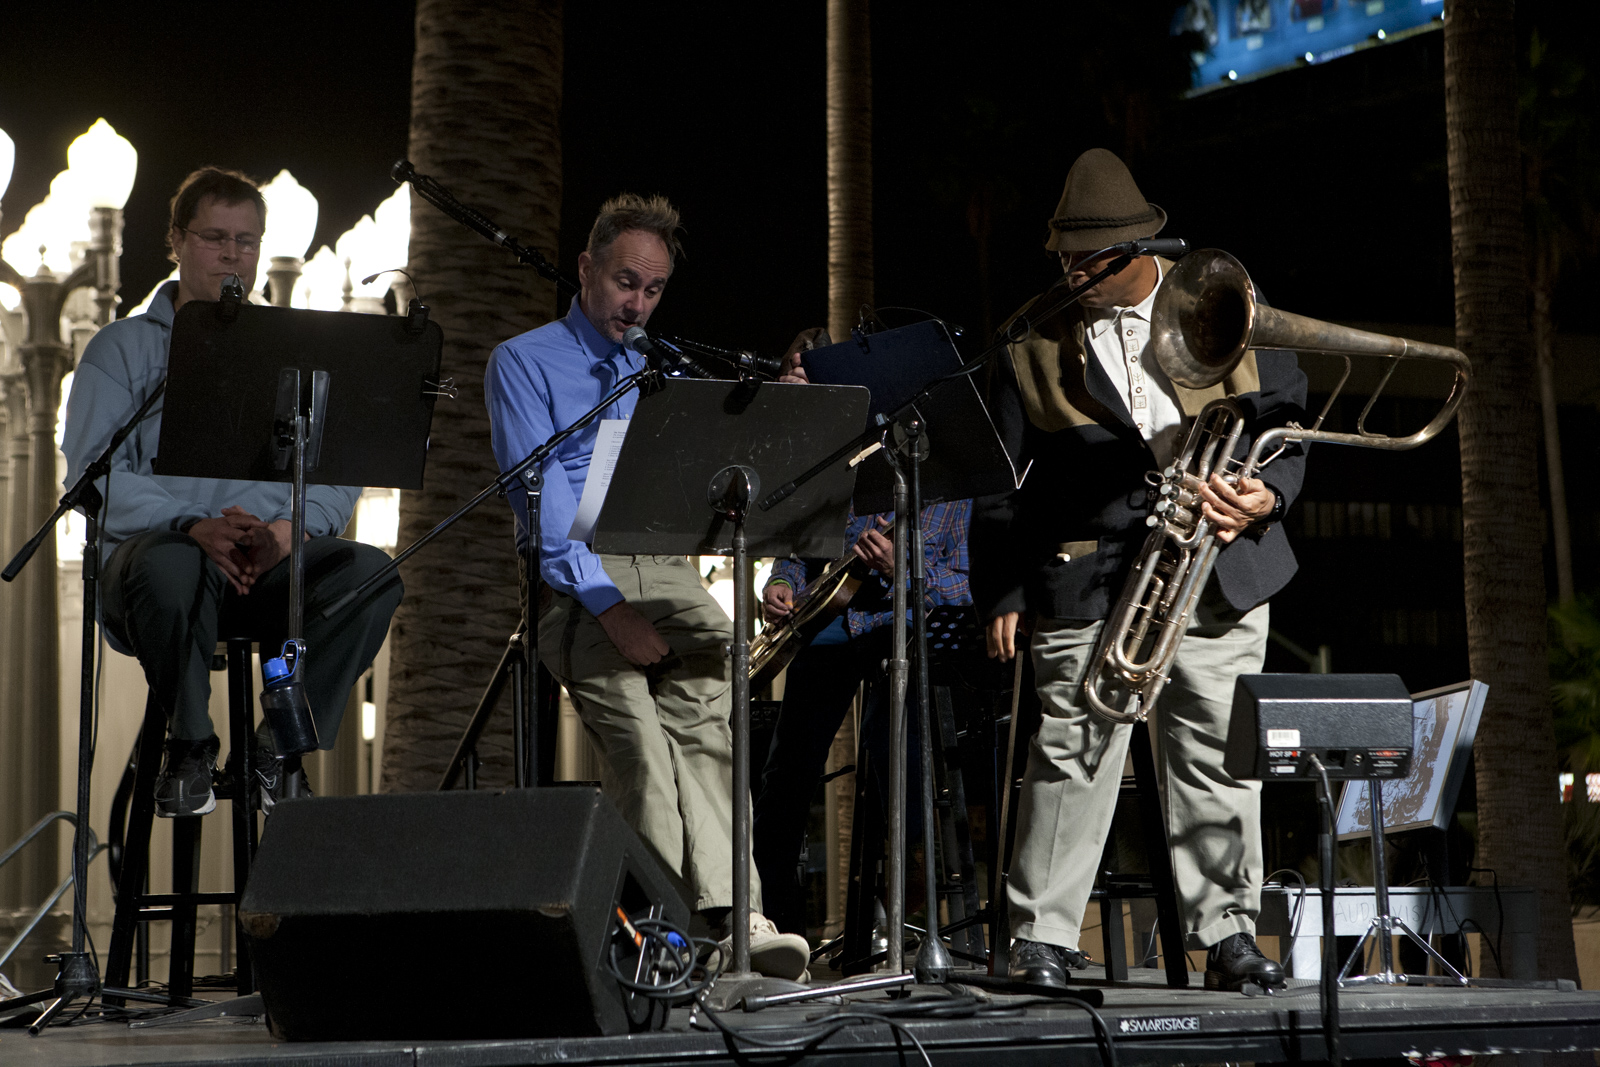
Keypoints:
pixel 271 394
pixel 964 454
pixel 950 451
pixel 696 455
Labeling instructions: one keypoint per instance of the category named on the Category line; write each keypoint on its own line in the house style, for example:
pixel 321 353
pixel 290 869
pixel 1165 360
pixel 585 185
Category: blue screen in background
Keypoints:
pixel 1243 39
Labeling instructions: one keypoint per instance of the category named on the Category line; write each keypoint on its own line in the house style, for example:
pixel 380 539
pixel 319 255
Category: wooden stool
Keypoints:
pixel 131 851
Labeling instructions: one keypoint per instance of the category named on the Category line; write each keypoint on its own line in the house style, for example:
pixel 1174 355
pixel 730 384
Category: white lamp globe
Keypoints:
pixel 104 164
pixel 8 158
pixel 291 217
pixel 321 284
pixel 53 224
pixel 362 245
pixel 390 246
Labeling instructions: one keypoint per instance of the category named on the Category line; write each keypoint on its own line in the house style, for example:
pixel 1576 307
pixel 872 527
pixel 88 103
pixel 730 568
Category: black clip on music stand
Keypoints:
pixel 962 457
pixel 270 394
pixel 695 457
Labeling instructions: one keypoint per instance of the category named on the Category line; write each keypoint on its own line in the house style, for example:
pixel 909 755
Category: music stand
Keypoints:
pixel 966 457
pixel 696 455
pixel 962 457
pixel 271 394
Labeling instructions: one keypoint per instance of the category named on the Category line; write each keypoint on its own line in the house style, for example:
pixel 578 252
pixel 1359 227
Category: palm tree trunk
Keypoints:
pixel 849 108
pixel 1519 820
pixel 1544 282
pixel 485 121
pixel 849 164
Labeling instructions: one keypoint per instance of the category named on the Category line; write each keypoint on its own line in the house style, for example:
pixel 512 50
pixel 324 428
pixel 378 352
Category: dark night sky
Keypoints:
pixel 1328 183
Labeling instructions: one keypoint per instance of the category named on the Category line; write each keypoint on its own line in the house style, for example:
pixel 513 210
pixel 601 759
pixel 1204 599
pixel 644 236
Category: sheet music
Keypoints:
pixel 607 447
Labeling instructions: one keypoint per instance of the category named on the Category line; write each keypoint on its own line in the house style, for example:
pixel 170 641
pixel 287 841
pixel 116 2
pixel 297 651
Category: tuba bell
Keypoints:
pixel 1206 317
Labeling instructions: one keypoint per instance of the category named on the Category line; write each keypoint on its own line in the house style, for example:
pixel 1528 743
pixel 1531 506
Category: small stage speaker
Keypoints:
pixel 464 914
pixel 1358 725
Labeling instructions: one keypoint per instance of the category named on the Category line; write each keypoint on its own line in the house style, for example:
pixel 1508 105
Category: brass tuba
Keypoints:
pixel 1206 317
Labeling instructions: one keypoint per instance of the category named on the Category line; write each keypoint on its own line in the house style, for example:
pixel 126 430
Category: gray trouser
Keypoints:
pixel 1075 762
pixel 662 731
pixel 164 599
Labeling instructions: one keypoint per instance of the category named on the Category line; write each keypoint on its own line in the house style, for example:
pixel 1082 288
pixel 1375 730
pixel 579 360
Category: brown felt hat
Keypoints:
pixel 1101 206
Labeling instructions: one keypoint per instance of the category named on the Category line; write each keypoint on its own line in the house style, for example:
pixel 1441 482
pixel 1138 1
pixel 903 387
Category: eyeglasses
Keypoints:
pixel 248 244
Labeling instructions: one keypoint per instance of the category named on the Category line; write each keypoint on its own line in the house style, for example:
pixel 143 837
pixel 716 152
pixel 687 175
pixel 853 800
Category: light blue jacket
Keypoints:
pixel 120 366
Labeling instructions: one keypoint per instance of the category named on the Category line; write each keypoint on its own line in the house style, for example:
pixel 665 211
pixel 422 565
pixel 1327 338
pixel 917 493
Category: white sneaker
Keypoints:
pixel 771 953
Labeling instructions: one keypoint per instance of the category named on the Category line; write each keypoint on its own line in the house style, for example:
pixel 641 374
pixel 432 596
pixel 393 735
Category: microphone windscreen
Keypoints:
pixel 1164 246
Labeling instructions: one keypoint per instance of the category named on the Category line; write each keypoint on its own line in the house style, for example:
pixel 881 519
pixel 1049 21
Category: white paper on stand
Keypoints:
pixel 607 447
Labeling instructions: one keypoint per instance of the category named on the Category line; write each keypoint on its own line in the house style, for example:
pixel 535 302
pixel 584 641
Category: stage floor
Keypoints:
pixel 1148 1022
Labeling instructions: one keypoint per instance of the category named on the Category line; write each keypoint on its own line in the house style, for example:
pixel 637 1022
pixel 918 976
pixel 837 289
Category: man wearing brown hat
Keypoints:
pixel 1079 401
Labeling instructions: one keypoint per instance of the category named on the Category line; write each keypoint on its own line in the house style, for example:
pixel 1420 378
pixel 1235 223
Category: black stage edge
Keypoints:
pixel 1150 1024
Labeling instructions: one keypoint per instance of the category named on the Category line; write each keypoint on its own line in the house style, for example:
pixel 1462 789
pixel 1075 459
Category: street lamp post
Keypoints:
pixel 291 223
pixel 99 176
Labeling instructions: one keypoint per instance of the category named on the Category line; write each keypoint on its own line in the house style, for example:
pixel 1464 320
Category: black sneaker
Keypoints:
pixel 184 786
pixel 1235 962
pixel 271 783
pixel 1038 963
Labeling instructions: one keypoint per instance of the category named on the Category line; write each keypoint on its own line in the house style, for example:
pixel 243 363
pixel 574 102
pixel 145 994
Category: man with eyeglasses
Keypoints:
pixel 189 559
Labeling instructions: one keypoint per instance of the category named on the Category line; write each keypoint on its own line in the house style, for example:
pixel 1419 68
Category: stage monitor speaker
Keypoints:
pixel 1358 725
pixel 463 914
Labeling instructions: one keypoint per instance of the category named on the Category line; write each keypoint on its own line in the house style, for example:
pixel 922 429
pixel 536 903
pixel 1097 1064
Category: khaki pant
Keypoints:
pixel 1075 763
pixel 662 731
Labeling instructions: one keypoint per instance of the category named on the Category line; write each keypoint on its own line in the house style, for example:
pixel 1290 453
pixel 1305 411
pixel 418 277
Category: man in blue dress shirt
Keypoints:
pixel 636 640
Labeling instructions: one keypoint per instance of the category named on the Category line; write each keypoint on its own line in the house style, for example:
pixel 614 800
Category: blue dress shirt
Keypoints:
pixel 540 382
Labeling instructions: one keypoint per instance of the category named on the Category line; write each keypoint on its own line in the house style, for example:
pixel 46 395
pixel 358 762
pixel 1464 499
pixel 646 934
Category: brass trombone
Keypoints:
pixel 1206 317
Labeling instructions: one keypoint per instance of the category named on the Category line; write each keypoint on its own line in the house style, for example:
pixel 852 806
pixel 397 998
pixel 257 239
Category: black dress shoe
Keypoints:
pixel 1235 961
pixel 1037 963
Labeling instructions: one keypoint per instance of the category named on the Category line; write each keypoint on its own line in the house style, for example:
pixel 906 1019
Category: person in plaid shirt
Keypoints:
pixel 823 678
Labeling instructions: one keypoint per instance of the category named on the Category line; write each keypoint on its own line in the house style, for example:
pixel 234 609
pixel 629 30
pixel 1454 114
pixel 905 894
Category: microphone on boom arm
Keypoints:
pixel 404 171
pixel 661 355
pixel 748 364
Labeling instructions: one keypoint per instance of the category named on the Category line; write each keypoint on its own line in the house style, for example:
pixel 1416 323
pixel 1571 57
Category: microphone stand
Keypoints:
pixel 430 190
pixel 78 976
pixel 933 962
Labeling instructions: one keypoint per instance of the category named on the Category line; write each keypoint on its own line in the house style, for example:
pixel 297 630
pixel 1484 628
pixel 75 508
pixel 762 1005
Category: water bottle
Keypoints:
pixel 285 704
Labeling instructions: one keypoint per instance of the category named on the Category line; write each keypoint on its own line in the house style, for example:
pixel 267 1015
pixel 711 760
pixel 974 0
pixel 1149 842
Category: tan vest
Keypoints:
pixel 1051 364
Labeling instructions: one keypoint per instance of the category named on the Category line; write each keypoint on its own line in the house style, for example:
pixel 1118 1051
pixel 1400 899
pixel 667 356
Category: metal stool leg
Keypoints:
pixel 960 884
pixel 1168 922
pixel 241 730
pixel 136 847
pixel 185 883
pixel 1111 939
pixel 866 881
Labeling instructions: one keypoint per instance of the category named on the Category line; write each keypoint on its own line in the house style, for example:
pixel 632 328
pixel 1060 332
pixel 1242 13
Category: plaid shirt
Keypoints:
pixel 944 540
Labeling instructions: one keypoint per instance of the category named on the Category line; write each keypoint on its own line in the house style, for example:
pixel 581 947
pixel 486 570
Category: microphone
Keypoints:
pixel 1154 246
pixel 636 339
pixel 768 367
